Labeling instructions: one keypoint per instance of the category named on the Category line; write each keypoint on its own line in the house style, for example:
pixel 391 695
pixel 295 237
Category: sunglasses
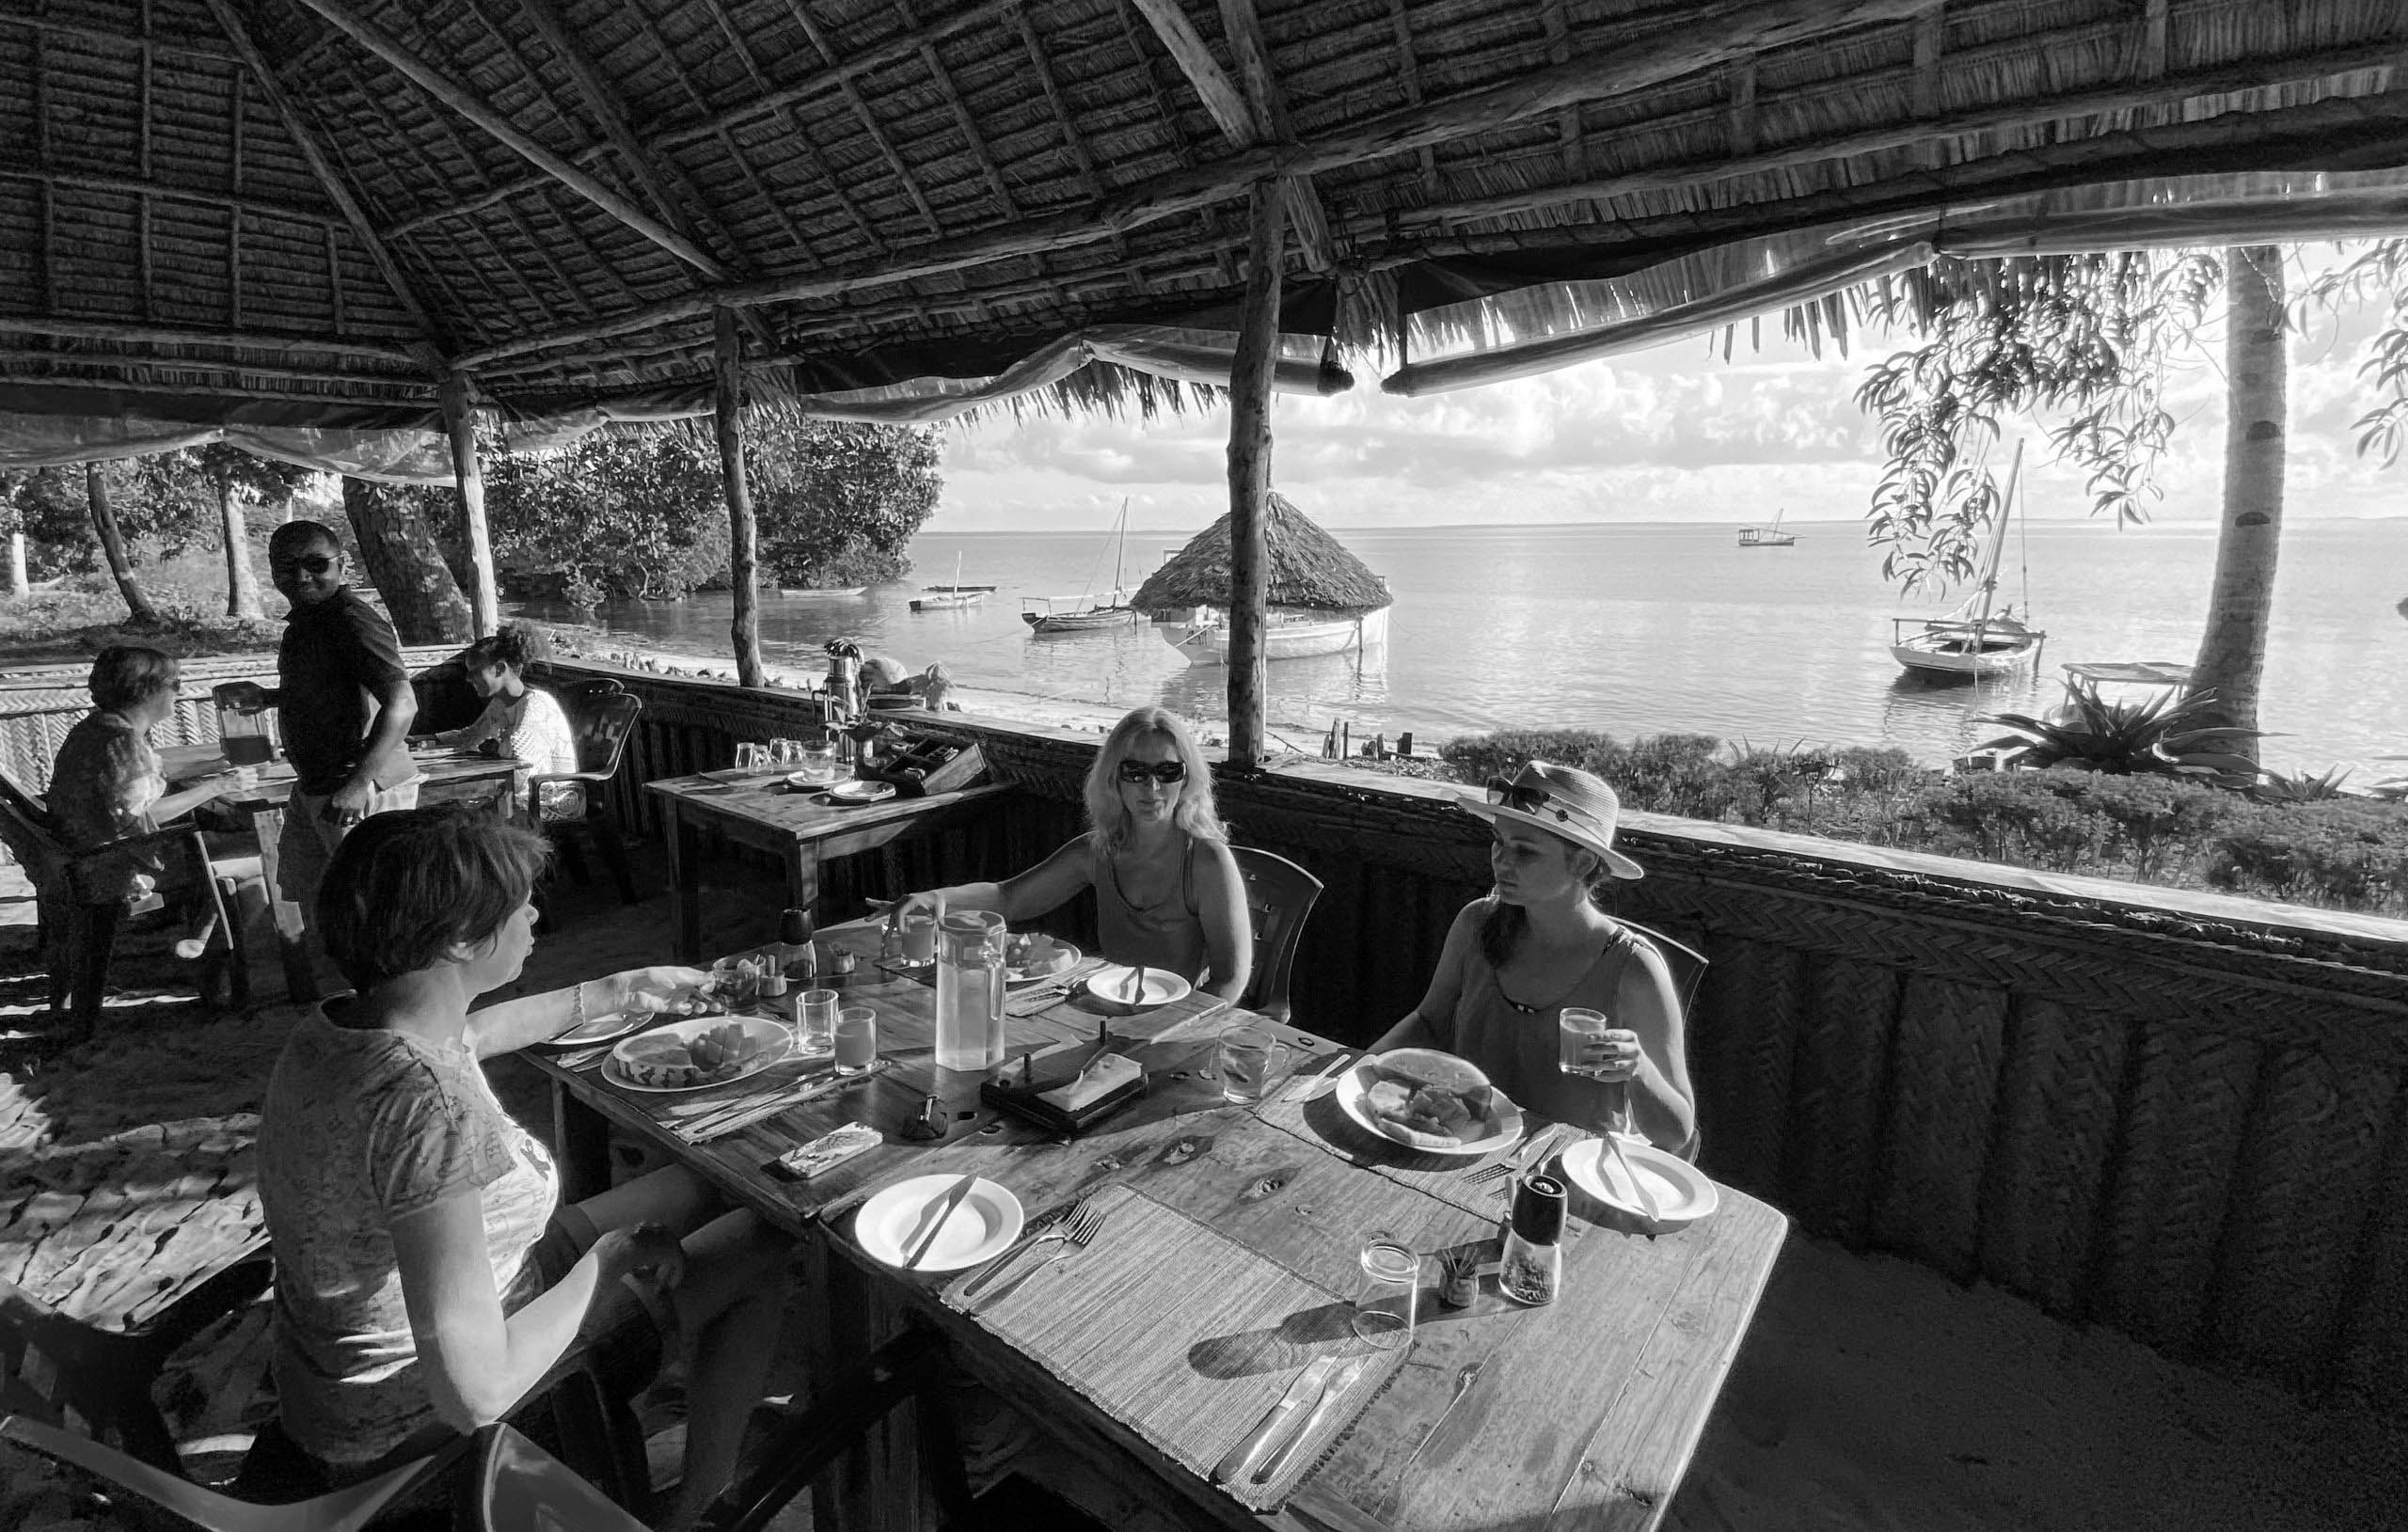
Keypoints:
pixel 316 564
pixel 1526 797
pixel 1161 771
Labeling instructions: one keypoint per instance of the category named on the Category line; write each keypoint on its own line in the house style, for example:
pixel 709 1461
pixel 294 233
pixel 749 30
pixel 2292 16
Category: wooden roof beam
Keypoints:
pixel 175 191
pixel 112 333
pixel 498 126
pixel 860 104
pixel 189 47
pixel 338 190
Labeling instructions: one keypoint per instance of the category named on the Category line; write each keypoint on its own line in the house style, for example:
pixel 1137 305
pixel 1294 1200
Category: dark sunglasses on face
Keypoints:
pixel 1161 771
pixel 314 563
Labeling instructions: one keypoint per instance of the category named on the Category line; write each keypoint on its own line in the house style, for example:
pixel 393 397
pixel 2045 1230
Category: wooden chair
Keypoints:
pixel 1279 896
pixel 602 720
pixel 78 924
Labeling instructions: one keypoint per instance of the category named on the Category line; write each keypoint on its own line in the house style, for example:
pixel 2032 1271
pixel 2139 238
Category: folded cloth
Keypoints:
pixel 1101 1078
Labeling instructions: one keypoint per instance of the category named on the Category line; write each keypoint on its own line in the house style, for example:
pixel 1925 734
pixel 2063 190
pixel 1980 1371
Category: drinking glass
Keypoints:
pixel 919 938
pixel 1248 1055
pixel 751 755
pixel 1386 1305
pixel 735 982
pixel 815 1031
pixel 1576 1029
pixel 856 1040
pixel 818 761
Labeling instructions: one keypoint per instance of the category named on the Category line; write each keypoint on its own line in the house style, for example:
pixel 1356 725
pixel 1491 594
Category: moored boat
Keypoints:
pixel 1767 537
pixel 948 597
pixel 1203 638
pixel 1974 641
pixel 1087 612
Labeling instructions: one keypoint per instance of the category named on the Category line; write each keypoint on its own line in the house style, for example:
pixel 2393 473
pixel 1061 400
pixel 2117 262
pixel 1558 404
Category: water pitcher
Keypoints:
pixel 970 990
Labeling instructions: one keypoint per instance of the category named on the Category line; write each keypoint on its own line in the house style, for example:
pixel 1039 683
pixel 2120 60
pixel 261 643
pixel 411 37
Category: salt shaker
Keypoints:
pixel 1532 1269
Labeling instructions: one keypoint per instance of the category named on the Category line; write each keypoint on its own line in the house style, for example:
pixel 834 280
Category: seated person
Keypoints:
pixel 1168 891
pixel 1538 942
pixel 107 782
pixel 883 676
pixel 523 721
pixel 427 1275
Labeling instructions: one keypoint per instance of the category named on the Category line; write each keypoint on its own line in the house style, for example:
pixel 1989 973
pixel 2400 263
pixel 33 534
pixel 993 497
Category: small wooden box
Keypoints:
pixel 931 765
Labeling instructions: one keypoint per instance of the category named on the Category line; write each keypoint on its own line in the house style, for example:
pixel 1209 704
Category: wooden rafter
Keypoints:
pixel 860 104
pixel 186 47
pixel 1742 134
pixel 338 190
pixel 189 364
pixel 961 118
pixel 173 334
pixel 468 103
pixel 1409 75
pixel 1567 122
pixel 1167 114
pixel 176 192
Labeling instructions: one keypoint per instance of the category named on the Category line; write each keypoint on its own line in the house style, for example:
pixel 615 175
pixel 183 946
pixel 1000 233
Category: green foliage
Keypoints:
pixel 2161 733
pixel 168 499
pixel 2378 274
pixel 838 502
pixel 2300 787
pixel 1477 757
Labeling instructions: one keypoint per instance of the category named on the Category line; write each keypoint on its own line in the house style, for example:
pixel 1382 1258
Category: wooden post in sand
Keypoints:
pixel 460 424
pixel 743 560
pixel 1250 470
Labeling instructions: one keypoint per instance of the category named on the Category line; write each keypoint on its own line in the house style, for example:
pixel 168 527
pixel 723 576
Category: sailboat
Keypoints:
pixel 946 597
pixel 1087 613
pixel 1767 537
pixel 1976 640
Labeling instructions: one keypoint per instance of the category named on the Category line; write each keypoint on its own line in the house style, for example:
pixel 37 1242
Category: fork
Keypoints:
pixel 1531 1151
pixel 1080 1233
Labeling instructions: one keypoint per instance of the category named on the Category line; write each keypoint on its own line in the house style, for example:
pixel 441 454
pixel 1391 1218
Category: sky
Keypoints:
pixel 1673 434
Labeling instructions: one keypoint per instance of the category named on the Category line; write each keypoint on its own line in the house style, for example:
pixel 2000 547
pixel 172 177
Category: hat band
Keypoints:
pixel 1524 797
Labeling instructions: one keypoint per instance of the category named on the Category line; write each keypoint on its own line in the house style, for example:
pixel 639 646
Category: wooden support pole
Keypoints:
pixel 460 424
pixel 1250 469
pixel 743 560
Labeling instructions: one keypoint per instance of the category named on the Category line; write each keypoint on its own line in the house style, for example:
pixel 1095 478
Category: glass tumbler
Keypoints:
pixel 1249 1056
pixel 1386 1305
pixel 815 1021
pixel 1576 1029
pixel 856 1040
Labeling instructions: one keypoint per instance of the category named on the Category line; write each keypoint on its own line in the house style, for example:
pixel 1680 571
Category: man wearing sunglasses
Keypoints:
pixel 345 707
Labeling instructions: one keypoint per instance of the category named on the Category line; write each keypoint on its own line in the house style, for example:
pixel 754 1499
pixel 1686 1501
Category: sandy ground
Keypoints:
pixel 1871 1394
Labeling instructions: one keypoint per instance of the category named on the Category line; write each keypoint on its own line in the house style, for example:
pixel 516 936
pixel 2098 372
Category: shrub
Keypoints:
pixel 1477 757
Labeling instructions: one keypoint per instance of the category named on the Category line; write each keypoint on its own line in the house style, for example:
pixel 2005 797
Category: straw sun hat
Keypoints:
pixel 1562 801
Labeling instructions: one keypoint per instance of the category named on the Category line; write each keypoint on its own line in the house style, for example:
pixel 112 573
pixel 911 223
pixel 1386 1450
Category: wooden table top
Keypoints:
pixel 1582 1412
pixel 761 799
pixel 185 764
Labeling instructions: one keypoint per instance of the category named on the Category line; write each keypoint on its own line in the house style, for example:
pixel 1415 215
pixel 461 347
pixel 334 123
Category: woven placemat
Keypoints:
pixel 1186 1337
pixel 1447 1178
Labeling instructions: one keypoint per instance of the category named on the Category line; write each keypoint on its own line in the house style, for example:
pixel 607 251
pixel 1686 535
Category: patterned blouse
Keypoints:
pixel 101 786
pixel 531 727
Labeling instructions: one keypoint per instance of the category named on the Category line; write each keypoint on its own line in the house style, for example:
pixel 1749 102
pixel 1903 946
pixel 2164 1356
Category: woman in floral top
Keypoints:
pixel 107 782
pixel 525 721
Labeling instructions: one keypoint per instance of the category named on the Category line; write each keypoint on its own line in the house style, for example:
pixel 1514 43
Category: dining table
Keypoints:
pixel 443 774
pixel 1226 1257
pixel 803 826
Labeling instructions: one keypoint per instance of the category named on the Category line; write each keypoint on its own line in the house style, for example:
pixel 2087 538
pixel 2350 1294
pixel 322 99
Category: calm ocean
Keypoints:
pixel 1639 629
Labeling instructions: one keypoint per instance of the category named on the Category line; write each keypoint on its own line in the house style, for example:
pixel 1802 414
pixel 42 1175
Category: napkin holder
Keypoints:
pixel 924 767
pixel 1019 1094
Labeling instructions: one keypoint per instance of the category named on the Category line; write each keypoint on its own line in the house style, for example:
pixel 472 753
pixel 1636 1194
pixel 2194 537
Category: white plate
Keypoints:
pixel 857 791
pixel 1065 956
pixel 803 781
pixel 599 1029
pixel 1682 1191
pixel 982 1229
pixel 1119 986
pixel 1504 1117
pixel 774 1041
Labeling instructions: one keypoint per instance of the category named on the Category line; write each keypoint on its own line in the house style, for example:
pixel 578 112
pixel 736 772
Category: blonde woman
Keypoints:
pixel 1168 891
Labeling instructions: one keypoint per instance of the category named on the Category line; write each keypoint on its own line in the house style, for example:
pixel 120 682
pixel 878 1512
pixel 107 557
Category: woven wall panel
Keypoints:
pixel 2372 1354
pixel 1943 1092
pixel 2055 1134
pixel 1742 1053
pixel 2185 1118
pixel 2298 1208
pixel 1836 1106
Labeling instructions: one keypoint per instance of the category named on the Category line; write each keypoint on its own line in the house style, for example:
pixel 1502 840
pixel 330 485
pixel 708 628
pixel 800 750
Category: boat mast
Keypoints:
pixel 1998 546
pixel 1119 553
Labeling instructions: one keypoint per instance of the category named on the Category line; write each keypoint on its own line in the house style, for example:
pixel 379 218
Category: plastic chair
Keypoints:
pixel 1279 896
pixel 602 720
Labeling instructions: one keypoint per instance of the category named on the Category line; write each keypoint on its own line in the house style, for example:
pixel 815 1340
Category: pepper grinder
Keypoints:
pixel 1532 1269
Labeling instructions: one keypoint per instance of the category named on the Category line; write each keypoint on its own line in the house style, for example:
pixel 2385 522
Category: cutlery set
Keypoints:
pixel 1319 1084
pixel 1533 1150
pixel 720 1118
pixel 1310 1401
pixel 1077 1230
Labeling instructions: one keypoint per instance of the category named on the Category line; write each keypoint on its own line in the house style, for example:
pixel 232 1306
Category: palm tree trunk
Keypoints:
pixel 2232 650
pixel 140 612
pixel 404 565
pixel 241 581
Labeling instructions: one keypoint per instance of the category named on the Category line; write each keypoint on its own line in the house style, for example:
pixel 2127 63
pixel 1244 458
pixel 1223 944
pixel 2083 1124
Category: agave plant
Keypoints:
pixel 2300 787
pixel 2163 735
pixel 2397 788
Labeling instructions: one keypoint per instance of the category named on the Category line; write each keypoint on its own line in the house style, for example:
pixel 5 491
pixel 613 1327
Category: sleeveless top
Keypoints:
pixel 1518 1049
pixel 1169 935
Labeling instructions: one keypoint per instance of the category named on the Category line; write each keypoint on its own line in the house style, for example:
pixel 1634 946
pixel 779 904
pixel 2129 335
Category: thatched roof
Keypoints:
pixel 1308 569
pixel 307 212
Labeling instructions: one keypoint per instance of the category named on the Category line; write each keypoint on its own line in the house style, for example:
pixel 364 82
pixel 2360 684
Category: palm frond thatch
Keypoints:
pixel 1310 569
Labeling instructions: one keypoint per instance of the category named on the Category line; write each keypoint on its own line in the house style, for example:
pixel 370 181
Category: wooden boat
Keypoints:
pixel 948 597
pixel 1767 537
pixel 1087 613
pixel 823 591
pixel 1203 638
pixel 1975 640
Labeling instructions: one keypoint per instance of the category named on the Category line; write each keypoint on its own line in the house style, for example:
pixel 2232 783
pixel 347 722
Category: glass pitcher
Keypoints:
pixel 245 727
pixel 970 990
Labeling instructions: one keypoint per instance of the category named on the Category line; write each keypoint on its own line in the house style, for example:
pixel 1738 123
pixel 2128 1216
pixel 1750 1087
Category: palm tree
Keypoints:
pixel 2232 646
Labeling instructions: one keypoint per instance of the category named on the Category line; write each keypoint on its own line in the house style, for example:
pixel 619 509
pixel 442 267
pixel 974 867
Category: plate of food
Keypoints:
pixel 1032 955
pixel 599 1029
pixel 1429 1100
pixel 695 1055
pixel 858 790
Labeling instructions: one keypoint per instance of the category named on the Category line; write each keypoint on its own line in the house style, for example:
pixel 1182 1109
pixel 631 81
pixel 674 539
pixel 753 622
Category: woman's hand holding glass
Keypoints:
pixel 1594 1047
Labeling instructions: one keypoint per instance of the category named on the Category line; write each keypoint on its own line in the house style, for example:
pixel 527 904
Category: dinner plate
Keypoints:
pixel 857 791
pixel 804 782
pixel 1682 1192
pixel 1505 1118
pixel 599 1029
pixel 1119 985
pixel 772 1039
pixel 1064 956
pixel 890 1223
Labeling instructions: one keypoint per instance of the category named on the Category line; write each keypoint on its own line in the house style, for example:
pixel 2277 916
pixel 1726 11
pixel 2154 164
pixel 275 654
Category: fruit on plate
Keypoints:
pixel 1032 952
pixel 1428 1098
pixel 713 1054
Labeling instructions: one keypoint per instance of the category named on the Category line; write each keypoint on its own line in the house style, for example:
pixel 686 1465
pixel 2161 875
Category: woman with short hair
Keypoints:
pixel 107 783
pixel 1539 941
pixel 427 1275
pixel 1168 891
pixel 523 721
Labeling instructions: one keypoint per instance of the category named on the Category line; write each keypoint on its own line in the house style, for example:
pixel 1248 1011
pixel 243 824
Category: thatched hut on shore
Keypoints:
pixel 1322 599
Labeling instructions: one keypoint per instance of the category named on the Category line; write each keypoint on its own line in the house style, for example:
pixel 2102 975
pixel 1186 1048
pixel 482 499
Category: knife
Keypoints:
pixel 1304 1089
pixel 952 1200
pixel 1646 1199
pixel 1330 1399
pixel 1302 1394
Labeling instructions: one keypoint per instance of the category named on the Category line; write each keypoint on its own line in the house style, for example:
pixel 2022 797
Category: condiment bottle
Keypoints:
pixel 802 958
pixel 1532 1269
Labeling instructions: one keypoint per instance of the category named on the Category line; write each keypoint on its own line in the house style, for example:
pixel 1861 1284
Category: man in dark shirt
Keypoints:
pixel 345 706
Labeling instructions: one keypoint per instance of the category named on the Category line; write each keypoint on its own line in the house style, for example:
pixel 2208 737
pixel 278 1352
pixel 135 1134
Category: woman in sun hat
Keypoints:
pixel 1538 942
